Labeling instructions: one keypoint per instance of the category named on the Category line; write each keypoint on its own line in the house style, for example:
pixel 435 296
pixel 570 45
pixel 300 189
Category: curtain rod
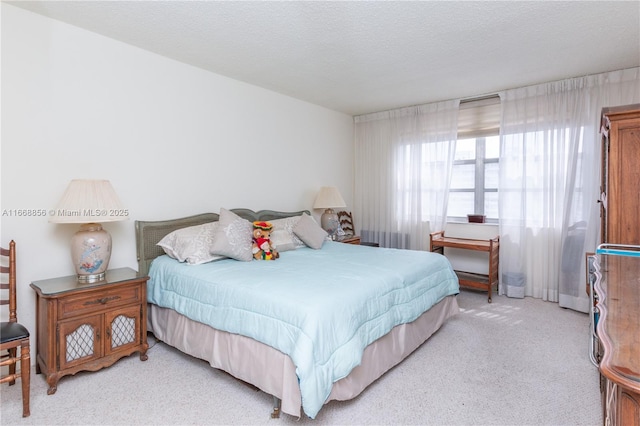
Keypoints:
pixel 480 98
pixel 462 101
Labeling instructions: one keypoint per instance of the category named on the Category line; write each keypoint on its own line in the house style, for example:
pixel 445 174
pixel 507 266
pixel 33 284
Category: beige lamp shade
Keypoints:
pixel 86 201
pixel 329 198
pixel 89 202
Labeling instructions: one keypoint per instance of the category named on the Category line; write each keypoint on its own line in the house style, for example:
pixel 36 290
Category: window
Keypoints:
pixel 539 172
pixel 475 174
pixel 474 178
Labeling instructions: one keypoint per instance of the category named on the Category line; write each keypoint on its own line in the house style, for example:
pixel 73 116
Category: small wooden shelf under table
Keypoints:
pixel 438 241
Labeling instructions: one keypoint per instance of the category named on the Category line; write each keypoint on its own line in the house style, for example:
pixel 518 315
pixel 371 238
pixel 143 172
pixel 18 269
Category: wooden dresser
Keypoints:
pixel 617 287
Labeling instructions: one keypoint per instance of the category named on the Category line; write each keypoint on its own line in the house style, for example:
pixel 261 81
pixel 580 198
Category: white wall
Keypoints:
pixel 174 140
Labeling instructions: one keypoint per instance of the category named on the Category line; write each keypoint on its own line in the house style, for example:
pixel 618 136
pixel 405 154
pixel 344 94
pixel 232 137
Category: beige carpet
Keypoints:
pixel 512 362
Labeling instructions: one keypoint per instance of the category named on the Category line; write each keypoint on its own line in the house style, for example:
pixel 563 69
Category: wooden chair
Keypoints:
pixel 346 223
pixel 13 335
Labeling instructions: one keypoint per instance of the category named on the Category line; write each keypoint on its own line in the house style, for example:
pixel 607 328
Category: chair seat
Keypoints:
pixel 10 331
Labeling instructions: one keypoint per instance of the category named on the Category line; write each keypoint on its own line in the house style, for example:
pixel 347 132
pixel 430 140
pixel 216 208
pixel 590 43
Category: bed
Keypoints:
pixel 313 326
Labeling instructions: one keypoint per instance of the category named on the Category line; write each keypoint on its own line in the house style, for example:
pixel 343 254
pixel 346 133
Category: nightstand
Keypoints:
pixel 349 239
pixel 89 326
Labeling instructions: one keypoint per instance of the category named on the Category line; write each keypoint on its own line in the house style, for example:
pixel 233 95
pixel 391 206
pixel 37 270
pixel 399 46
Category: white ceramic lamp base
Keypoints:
pixel 90 252
pixel 329 221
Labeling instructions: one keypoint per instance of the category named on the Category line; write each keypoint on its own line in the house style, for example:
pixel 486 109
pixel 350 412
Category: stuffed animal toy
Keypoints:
pixel 262 248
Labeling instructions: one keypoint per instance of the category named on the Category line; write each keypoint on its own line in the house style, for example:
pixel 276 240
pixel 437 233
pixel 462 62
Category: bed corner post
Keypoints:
pixel 275 414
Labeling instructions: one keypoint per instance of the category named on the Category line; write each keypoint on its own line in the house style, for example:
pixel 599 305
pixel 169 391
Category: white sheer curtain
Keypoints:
pixel 549 182
pixel 403 161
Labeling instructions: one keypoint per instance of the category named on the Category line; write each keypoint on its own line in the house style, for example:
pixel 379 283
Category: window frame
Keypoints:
pixel 479 119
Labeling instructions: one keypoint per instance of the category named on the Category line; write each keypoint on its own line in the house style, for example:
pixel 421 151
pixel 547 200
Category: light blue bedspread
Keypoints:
pixel 320 307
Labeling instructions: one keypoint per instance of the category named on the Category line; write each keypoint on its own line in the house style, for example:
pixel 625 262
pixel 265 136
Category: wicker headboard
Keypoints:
pixel 149 233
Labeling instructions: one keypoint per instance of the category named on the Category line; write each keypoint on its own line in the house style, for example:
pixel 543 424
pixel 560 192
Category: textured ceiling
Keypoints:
pixel 359 57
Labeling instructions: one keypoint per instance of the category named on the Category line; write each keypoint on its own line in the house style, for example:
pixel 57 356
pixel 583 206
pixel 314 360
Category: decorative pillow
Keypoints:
pixel 282 241
pixel 191 244
pixel 310 232
pixel 233 237
pixel 287 224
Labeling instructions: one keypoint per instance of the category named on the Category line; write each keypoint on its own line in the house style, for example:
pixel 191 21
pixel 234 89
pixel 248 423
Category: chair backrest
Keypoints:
pixel 346 222
pixel 8 279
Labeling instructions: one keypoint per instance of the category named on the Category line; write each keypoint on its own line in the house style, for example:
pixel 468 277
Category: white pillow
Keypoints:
pixel 310 232
pixel 233 237
pixel 191 244
pixel 282 241
pixel 287 224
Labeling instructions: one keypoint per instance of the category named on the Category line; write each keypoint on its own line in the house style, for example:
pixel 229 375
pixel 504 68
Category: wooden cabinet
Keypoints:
pixel 620 205
pixel 618 332
pixel 437 243
pixel 89 326
pixel 618 285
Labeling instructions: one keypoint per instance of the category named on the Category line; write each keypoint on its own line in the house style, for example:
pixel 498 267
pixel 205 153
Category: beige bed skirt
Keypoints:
pixel 273 372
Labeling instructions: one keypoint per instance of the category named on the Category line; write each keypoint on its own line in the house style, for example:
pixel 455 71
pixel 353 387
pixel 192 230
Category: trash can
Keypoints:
pixel 513 283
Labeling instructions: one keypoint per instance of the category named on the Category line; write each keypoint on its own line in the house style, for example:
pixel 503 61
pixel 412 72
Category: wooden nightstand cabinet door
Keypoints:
pixel 80 341
pixel 122 329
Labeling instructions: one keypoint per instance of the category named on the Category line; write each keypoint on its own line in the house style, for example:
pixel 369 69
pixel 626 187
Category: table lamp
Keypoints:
pixel 88 202
pixel 329 198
